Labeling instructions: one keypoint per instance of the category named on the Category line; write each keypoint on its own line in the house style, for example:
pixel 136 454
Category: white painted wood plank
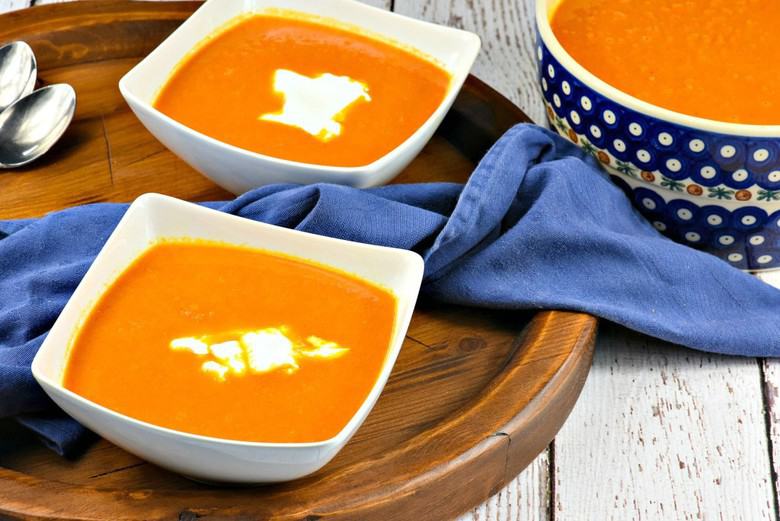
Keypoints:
pixel 12 5
pixel 772 404
pixel 770 277
pixel 507 61
pixel 526 498
pixel 661 432
pixel 772 394
pixel 384 4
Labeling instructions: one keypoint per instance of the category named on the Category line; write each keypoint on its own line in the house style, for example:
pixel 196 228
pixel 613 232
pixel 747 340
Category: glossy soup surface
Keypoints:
pixel 717 59
pixel 233 343
pixel 228 89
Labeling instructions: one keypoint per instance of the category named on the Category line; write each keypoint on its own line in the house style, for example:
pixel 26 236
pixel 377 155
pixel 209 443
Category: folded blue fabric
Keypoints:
pixel 538 225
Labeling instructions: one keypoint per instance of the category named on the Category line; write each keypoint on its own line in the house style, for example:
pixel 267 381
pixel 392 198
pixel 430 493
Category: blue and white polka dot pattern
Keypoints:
pixel 747 238
pixel 681 153
pixel 665 158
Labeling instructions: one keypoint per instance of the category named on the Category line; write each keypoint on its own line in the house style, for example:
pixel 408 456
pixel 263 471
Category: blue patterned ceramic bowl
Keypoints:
pixel 709 184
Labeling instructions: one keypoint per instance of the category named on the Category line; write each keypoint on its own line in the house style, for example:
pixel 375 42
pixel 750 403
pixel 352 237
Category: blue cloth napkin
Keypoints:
pixel 538 225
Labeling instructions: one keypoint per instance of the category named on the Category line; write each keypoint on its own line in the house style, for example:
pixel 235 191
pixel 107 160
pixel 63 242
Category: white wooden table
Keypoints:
pixel 660 432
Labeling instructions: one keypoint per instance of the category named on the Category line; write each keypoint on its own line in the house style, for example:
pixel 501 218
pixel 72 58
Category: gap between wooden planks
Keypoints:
pixel 660 432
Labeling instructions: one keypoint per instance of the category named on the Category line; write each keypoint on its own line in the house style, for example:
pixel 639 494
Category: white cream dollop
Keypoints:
pixel 256 351
pixel 316 105
pixel 269 349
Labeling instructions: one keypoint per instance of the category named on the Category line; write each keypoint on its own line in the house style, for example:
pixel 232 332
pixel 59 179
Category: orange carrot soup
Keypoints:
pixel 716 59
pixel 234 343
pixel 304 89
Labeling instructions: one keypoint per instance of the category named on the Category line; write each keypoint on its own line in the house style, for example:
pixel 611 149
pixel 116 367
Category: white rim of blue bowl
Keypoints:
pixel 610 92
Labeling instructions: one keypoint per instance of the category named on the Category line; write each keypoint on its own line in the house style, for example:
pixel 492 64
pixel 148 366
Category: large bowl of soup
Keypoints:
pixel 294 91
pixel 680 104
pixel 224 349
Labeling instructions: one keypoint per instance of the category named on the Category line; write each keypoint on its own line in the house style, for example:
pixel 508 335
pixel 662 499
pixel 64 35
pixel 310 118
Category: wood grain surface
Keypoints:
pixel 598 468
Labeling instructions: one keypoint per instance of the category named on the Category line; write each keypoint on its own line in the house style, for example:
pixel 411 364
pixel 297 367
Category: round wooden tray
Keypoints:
pixel 474 397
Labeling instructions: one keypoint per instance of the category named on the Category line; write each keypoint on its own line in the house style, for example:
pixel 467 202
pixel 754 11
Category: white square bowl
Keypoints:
pixel 239 170
pixel 152 217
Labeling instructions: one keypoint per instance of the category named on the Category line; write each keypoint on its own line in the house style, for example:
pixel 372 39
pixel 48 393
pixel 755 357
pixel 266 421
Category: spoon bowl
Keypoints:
pixel 18 71
pixel 31 125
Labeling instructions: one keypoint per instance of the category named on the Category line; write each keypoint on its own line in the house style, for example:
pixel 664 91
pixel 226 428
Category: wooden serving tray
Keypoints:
pixel 475 394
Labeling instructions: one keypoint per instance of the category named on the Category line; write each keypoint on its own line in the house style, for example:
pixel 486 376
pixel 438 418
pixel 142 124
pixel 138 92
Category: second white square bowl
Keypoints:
pixel 239 170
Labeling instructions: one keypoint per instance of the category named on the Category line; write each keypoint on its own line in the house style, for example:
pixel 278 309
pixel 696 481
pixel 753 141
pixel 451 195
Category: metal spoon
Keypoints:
pixel 18 71
pixel 30 126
